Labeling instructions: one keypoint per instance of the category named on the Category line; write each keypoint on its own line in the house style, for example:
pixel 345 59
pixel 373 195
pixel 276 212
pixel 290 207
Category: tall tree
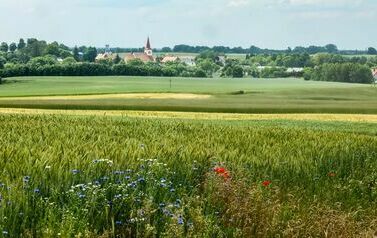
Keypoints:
pixel 76 55
pixel 2 62
pixel 53 49
pixel 4 47
pixel 12 47
pixel 331 48
pixel 90 54
pixel 372 51
pixel 117 59
pixel 21 44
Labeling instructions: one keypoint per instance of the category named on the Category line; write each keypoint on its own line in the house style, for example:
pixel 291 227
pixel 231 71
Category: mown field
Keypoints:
pixel 220 95
pixel 109 176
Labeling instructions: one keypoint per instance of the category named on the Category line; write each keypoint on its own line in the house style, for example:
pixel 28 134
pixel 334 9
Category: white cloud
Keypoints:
pixel 238 3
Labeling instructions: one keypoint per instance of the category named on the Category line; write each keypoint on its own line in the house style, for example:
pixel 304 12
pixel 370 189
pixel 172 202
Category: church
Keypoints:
pixel 146 56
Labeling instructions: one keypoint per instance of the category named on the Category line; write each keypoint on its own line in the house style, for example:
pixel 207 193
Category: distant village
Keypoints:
pixel 189 60
pixel 147 56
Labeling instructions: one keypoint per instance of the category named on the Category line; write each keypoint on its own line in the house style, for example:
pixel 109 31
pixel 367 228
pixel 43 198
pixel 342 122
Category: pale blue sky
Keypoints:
pixel 350 24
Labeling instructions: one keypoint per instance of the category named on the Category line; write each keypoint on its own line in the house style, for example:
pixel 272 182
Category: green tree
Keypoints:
pixel 69 60
pixel 12 47
pixel 90 54
pixel 237 72
pixel 21 44
pixel 4 47
pixel 35 48
pixel 42 61
pixel 53 49
pixel 117 59
pixel 372 51
pixel 2 62
pixel 76 55
pixel 208 66
pixel 331 48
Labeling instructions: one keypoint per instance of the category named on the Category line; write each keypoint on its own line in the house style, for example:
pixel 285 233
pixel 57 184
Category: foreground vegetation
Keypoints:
pixel 219 95
pixel 173 178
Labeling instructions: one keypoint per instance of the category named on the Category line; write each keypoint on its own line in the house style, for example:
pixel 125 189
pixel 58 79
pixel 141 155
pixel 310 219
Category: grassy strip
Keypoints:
pixel 200 116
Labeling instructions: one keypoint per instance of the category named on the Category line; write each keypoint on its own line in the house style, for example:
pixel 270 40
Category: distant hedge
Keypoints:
pixel 95 69
pixel 340 72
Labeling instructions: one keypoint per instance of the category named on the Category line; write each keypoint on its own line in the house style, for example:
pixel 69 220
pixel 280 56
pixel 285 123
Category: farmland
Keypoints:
pixel 179 177
pixel 220 95
pixel 132 157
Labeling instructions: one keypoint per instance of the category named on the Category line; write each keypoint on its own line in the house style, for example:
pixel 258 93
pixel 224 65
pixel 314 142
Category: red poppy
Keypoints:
pixel 266 183
pixel 225 175
pixel 331 174
pixel 220 170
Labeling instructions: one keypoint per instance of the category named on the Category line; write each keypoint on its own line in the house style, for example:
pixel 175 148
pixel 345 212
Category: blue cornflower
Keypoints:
pixel 118 172
pixel 97 182
pixel 81 195
pixel 172 190
pixel 127 177
pixel 141 180
pixel 75 171
pixel 180 220
pixel 163 185
pixel 2 185
pixel 162 205
pixel 37 190
pixel 177 203
pixel 5 233
pixel 168 212
pixel 133 184
pixel 117 196
pixel 104 178
pixel 26 179
pixel 118 223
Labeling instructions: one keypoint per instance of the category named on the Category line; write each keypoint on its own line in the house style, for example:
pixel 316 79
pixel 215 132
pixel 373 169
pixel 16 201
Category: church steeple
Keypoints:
pixel 148 49
pixel 148 46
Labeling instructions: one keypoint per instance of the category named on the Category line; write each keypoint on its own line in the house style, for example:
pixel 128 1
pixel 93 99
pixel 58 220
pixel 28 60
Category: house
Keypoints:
pixel 188 60
pixel 146 56
pixel 168 58
pixel 374 72
pixel 106 55
pixel 295 70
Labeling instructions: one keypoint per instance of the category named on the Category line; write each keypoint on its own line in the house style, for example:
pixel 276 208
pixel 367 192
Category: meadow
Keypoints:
pixel 104 176
pixel 221 95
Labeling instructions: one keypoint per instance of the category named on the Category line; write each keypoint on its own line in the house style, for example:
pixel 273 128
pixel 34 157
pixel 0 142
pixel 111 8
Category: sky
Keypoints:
pixel 277 24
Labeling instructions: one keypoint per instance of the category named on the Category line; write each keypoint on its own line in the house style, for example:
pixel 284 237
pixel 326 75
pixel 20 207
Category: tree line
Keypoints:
pixel 182 48
pixel 340 72
pixel 39 58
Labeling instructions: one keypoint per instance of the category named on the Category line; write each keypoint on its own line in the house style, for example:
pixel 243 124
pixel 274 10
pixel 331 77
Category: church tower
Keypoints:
pixel 148 50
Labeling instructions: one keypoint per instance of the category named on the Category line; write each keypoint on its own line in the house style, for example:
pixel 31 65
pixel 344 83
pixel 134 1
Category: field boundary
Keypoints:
pixel 362 118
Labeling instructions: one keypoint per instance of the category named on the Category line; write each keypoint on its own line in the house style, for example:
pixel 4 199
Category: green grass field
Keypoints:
pixel 133 177
pixel 260 95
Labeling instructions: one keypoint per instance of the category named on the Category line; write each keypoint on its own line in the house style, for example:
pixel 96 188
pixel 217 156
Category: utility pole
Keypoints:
pixel 170 83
